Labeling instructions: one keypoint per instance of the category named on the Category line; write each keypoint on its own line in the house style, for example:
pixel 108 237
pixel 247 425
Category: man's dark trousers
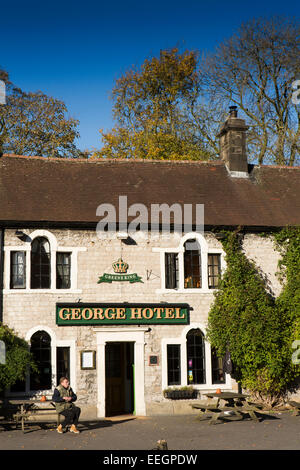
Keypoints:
pixel 71 416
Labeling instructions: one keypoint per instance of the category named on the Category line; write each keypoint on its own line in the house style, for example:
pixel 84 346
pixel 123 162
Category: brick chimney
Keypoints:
pixel 233 144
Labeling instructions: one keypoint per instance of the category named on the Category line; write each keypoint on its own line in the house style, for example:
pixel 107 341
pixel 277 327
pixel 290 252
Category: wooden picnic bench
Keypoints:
pixel 215 411
pixel 28 408
pixel 235 407
pixel 296 407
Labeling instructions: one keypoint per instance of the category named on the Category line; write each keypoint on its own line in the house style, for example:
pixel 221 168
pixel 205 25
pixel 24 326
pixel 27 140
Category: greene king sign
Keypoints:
pixel 70 314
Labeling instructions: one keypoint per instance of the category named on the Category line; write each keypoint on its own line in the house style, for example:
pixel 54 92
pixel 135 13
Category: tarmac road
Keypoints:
pixel 276 432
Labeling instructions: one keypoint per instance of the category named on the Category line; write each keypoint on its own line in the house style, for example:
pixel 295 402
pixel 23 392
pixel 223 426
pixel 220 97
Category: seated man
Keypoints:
pixel 64 397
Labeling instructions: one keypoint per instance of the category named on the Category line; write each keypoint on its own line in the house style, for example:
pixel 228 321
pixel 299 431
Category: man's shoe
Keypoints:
pixel 59 429
pixel 74 429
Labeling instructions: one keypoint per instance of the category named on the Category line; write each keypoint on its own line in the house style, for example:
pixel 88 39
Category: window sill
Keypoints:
pixel 185 291
pixel 42 291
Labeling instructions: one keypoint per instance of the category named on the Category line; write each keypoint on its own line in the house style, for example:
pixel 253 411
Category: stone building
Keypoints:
pixel 124 314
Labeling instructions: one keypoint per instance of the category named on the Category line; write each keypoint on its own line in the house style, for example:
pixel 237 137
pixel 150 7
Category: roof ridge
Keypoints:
pixel 297 167
pixel 109 160
pixel 137 160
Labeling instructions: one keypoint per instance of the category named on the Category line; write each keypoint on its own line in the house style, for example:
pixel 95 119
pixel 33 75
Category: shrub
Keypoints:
pixel 18 358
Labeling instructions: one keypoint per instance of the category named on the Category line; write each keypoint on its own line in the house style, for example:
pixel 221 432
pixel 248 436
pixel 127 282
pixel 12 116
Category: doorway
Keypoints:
pixel 119 378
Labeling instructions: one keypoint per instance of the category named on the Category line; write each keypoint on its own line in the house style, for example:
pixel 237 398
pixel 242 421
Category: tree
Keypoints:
pixel 36 124
pixel 18 358
pixel 255 70
pixel 153 109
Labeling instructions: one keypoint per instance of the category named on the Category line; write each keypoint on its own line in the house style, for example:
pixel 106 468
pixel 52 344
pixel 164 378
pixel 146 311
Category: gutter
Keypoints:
pixel 1 271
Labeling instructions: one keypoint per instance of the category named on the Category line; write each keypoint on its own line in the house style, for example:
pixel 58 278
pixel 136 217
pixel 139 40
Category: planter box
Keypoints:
pixel 181 394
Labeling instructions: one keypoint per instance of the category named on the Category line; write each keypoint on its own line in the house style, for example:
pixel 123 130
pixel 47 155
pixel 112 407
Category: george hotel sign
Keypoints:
pixel 70 314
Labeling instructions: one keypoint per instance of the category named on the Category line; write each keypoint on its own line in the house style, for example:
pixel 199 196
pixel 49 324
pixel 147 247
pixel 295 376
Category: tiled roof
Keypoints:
pixel 36 189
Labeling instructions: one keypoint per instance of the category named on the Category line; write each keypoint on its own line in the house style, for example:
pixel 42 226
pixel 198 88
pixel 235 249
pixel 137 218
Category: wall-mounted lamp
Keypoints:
pixel 21 235
pixel 122 235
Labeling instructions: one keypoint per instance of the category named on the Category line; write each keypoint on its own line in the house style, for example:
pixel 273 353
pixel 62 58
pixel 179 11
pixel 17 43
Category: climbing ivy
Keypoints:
pixel 252 324
pixel 287 242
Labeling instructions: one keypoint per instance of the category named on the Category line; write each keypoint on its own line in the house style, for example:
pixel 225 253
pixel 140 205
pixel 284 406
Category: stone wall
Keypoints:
pixel 26 310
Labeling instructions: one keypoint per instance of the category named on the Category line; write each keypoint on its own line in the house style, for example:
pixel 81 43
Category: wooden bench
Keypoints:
pixel 251 410
pixel 206 410
pixel 20 416
pixel 215 411
pixel 296 407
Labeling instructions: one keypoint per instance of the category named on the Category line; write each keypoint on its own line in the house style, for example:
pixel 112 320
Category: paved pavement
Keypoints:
pixel 277 432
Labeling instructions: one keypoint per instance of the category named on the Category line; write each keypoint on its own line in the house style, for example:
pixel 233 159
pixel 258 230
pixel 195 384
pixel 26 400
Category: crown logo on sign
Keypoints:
pixel 120 266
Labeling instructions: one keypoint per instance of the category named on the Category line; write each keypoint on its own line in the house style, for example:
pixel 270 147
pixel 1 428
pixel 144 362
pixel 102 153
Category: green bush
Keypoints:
pixel 18 358
pixel 258 329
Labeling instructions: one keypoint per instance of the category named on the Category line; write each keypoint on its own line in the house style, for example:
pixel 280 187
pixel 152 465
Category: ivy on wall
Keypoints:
pixel 287 242
pixel 252 324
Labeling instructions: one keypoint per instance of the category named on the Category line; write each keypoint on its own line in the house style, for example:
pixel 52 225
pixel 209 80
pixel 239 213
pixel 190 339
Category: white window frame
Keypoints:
pixel 54 248
pixel 181 341
pixel 205 251
pixel 55 343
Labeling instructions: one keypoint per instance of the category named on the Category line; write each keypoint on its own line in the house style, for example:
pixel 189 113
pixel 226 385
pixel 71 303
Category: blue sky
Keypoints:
pixel 75 50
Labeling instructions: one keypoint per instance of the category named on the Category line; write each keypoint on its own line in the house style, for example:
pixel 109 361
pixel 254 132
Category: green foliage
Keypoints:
pixel 154 108
pixel 36 124
pixel 287 243
pixel 18 358
pixel 257 328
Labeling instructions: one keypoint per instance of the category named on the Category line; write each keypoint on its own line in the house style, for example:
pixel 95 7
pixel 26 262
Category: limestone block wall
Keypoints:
pixel 24 311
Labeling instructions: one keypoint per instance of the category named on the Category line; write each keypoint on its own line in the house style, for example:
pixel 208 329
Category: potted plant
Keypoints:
pixel 183 393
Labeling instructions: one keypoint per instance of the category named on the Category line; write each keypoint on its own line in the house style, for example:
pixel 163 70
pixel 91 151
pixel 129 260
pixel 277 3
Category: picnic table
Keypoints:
pixel 296 407
pixel 236 405
pixel 28 407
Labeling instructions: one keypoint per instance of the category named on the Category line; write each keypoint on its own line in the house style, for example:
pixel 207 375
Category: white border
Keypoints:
pixel 54 248
pixel 136 335
pixel 71 343
pixel 181 340
pixel 205 250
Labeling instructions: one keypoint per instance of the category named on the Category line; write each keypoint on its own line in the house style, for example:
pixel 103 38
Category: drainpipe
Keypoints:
pixel 1 271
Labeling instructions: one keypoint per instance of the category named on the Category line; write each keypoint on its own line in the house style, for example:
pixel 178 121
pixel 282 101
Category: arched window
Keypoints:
pixel 41 350
pixel 195 353
pixel 40 263
pixel 192 265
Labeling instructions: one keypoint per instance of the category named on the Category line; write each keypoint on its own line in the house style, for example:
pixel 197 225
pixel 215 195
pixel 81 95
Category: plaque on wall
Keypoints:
pixel 153 360
pixel 88 360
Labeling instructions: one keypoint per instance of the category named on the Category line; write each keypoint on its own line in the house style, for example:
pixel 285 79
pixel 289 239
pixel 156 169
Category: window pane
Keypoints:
pixel 192 265
pixel 19 386
pixel 218 376
pixel 40 263
pixel 173 358
pixel 63 270
pixel 62 362
pixel 18 270
pixel 195 357
pixel 214 271
pixel 41 350
pixel 171 270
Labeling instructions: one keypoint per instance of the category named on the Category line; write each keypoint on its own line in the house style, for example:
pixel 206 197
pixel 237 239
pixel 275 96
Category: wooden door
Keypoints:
pixel 114 373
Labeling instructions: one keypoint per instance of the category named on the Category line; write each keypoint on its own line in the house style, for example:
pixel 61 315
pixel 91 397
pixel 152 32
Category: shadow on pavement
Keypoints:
pixel 85 425
pixel 246 417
